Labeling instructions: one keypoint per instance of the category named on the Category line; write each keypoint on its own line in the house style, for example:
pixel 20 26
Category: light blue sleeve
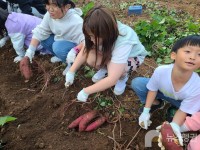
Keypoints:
pixel 17 40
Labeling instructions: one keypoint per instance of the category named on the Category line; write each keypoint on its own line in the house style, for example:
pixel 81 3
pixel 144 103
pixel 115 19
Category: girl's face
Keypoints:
pixel 55 11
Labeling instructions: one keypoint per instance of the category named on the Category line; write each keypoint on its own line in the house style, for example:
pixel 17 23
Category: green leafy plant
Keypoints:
pixel 103 102
pixel 6 119
pixel 88 72
pixel 159 33
pixel 87 7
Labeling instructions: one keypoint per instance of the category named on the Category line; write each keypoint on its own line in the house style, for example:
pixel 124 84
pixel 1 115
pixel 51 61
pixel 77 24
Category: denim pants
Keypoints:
pixel 58 48
pixel 139 86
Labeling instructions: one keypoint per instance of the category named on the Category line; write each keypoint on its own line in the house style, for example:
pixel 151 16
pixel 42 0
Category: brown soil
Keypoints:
pixel 44 107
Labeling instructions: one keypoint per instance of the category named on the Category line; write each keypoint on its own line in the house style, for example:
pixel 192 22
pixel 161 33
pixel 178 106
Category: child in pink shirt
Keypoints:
pixel 192 124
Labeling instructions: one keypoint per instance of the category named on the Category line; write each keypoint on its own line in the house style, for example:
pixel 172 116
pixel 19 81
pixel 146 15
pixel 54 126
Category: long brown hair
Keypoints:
pixel 101 22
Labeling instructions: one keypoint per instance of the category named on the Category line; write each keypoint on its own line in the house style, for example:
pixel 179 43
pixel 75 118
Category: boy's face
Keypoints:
pixel 187 58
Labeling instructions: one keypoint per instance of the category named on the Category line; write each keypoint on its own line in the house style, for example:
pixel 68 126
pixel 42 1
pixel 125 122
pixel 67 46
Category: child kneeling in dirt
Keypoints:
pixel 59 31
pixel 19 28
pixel 176 83
pixel 111 47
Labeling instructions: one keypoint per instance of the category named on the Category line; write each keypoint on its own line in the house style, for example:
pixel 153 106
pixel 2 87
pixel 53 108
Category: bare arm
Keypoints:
pixel 34 42
pixel 150 98
pixel 80 60
pixel 179 117
pixel 80 46
pixel 115 71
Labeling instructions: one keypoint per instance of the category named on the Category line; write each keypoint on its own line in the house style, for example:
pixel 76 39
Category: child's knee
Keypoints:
pixel 135 83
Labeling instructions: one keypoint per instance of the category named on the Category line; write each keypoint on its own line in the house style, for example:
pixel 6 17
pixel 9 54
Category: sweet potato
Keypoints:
pixel 97 123
pixel 75 123
pixel 25 68
pixel 86 119
pixel 168 138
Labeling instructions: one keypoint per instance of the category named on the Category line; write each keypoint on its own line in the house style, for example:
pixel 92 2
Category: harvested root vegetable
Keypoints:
pixel 86 119
pixel 167 138
pixel 25 68
pixel 75 123
pixel 97 123
pixel 84 122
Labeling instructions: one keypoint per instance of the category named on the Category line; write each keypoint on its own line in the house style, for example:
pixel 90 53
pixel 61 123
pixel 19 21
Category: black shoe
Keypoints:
pixel 170 113
pixel 154 107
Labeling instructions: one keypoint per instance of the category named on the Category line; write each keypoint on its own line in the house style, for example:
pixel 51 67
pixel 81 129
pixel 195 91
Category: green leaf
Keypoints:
pixel 6 119
pixel 121 109
pixel 162 21
pixel 89 74
pixel 168 60
pixel 103 104
pixel 198 70
pixel 87 7
pixel 159 60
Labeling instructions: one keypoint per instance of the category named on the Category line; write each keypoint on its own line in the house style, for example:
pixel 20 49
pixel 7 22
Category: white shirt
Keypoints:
pixel 189 93
pixel 68 28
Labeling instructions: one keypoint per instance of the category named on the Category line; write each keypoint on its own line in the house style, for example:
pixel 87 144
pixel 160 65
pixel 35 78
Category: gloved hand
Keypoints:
pixel 71 56
pixel 69 78
pixel 82 96
pixel 177 132
pixel 3 41
pixel 30 52
pixel 144 119
pixel 18 58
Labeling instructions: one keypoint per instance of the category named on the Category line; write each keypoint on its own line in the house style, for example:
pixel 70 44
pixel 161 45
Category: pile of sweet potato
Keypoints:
pixel 167 139
pixel 88 121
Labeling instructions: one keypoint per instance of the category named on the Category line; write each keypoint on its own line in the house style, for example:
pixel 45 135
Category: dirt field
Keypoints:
pixel 44 107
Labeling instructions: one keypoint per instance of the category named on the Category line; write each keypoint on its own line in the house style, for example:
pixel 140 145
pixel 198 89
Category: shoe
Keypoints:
pixel 120 86
pixel 154 107
pixel 55 59
pixel 170 113
pixel 99 75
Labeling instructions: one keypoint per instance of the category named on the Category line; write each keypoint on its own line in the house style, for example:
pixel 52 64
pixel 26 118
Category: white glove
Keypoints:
pixel 69 78
pixel 177 132
pixel 71 56
pixel 18 59
pixel 144 119
pixel 30 52
pixel 82 96
pixel 3 41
